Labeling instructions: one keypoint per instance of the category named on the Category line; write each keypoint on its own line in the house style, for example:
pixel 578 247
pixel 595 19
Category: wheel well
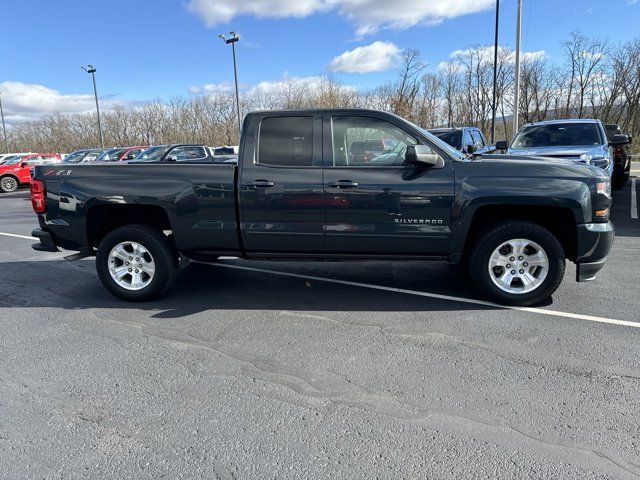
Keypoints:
pixel 558 220
pixel 102 219
pixel 12 176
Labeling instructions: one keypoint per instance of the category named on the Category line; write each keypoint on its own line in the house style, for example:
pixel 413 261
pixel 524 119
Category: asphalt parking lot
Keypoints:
pixel 315 370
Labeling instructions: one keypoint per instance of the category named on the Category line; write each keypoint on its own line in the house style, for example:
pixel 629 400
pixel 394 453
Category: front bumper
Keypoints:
pixel 594 241
pixel 46 241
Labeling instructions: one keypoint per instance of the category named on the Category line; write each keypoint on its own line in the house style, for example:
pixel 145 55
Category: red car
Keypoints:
pixel 17 171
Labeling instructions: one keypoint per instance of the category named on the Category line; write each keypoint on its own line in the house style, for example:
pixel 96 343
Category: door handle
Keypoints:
pixel 260 183
pixel 343 184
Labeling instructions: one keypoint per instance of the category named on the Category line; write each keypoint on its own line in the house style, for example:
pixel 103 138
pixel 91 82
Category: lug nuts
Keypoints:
pixel 521 271
pixel 136 270
pixel 525 264
pixel 130 258
pixel 508 265
pixel 513 272
pixel 512 258
pixel 520 258
pixel 129 269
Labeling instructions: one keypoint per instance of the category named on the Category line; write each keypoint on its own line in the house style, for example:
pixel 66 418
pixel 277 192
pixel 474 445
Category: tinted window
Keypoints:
pixel 367 141
pixel 187 153
pixel 558 135
pixel 453 138
pixel 286 141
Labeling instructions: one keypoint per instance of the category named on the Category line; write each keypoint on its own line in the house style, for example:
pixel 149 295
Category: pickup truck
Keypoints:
pixel 294 194
pixel 469 140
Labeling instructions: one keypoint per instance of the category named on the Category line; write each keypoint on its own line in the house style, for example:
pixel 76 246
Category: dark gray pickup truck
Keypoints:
pixel 299 192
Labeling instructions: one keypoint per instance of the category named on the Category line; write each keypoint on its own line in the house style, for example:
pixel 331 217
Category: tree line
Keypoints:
pixel 594 79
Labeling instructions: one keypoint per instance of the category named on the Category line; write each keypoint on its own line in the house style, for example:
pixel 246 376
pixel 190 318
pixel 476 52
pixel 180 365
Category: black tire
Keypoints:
pixel 158 245
pixel 8 184
pixel 478 265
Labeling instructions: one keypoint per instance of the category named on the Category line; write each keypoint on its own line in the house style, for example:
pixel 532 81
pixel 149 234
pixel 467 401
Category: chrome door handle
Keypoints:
pixel 260 183
pixel 343 184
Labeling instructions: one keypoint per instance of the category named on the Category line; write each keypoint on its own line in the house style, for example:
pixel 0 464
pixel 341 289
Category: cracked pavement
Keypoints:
pixel 242 374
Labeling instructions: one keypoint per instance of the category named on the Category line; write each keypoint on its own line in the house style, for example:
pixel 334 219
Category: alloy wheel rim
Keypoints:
pixel 518 266
pixel 131 265
pixel 9 184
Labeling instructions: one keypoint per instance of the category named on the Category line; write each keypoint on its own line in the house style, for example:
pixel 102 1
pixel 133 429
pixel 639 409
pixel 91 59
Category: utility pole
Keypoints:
pixel 92 70
pixel 4 128
pixel 495 74
pixel 516 92
pixel 232 40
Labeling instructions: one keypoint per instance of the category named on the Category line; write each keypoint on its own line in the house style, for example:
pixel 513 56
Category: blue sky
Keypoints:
pixel 145 49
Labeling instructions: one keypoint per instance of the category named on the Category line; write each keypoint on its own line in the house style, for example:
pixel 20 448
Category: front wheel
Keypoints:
pixel 8 184
pixel 517 263
pixel 136 262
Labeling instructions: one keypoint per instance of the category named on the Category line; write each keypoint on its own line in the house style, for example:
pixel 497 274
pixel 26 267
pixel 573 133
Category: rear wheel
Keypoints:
pixel 136 262
pixel 8 184
pixel 517 263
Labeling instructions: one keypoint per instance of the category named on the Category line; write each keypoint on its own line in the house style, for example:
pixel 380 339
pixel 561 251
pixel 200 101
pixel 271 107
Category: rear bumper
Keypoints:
pixel 46 243
pixel 594 241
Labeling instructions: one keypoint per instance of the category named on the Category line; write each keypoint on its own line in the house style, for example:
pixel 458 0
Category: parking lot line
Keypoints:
pixel 18 236
pixel 542 311
pixel 634 200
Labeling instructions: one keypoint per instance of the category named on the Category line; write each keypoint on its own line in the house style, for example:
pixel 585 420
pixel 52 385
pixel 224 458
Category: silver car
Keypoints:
pixel 580 140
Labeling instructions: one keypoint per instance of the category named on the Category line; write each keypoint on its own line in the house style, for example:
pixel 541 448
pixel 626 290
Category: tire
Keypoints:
pixel 156 258
pixel 535 280
pixel 8 184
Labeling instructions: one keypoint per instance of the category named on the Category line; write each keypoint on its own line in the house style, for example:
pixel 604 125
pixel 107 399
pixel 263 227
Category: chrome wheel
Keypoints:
pixel 9 184
pixel 518 266
pixel 131 265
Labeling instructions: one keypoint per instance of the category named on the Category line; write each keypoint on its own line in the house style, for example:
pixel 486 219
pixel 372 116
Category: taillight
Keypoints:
pixel 38 195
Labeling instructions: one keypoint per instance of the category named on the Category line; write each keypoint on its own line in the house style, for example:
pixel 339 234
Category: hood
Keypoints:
pixel 573 152
pixel 541 166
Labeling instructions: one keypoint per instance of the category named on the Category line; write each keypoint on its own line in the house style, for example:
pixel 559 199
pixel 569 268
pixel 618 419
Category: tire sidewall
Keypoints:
pixel 479 267
pixel 161 256
pixel 15 182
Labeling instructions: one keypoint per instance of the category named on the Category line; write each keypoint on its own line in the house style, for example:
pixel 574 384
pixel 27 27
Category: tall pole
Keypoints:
pixel 4 128
pixel 495 74
pixel 516 93
pixel 92 70
pixel 232 40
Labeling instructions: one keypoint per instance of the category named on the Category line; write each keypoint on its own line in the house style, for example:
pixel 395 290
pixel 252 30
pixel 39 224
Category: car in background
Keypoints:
pixel 181 152
pixel 363 151
pixel 468 140
pixel 621 157
pixel 5 157
pixel 16 172
pixel 83 156
pixel 120 154
pixel 580 140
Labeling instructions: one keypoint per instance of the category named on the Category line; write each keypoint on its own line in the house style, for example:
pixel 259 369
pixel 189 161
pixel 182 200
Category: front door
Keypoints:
pixel 376 203
pixel 281 187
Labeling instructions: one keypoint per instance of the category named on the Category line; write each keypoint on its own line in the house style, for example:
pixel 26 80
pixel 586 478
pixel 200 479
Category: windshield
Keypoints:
pixel 152 154
pixel 558 135
pixel 5 160
pixel 453 137
pixel 110 155
pixel 75 157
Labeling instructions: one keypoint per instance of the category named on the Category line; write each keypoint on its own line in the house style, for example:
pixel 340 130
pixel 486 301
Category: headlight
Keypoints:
pixel 595 160
pixel 604 188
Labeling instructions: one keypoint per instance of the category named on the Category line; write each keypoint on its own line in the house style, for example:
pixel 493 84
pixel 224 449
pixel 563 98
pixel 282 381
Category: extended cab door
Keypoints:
pixel 280 184
pixel 383 206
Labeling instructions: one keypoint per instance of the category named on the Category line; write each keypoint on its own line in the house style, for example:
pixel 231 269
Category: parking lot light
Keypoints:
pixel 92 70
pixel 4 128
pixel 232 40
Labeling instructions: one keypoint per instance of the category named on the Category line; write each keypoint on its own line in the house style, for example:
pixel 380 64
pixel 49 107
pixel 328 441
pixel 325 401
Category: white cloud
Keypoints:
pixel 271 87
pixel 223 87
pixel 377 57
pixel 25 101
pixel 367 15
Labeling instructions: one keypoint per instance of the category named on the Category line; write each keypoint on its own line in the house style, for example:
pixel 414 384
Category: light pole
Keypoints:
pixel 92 70
pixel 232 40
pixel 495 74
pixel 516 92
pixel 4 128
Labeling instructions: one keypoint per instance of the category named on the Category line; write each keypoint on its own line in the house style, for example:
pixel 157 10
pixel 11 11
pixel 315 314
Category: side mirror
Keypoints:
pixel 471 149
pixel 24 164
pixel 421 155
pixel 172 158
pixel 619 139
pixel 131 156
pixel 502 145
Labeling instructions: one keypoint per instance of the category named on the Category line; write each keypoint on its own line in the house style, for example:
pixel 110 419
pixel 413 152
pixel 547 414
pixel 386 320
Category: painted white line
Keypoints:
pixel 542 311
pixel 634 200
pixel 18 236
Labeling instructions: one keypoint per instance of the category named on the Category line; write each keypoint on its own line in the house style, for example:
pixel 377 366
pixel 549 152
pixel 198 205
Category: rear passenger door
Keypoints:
pixel 281 179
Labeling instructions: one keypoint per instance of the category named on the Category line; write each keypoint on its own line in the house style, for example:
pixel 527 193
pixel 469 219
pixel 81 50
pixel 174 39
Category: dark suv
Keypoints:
pixel 621 157
pixel 468 140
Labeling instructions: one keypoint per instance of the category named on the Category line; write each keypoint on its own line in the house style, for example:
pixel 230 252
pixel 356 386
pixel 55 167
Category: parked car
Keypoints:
pixel 180 152
pixel 120 154
pixel 513 222
pixel 621 157
pixel 17 171
pixel 363 151
pixel 83 156
pixel 469 140
pixel 8 156
pixel 579 140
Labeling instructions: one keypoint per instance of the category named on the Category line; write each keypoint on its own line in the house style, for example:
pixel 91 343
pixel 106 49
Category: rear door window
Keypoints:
pixel 286 141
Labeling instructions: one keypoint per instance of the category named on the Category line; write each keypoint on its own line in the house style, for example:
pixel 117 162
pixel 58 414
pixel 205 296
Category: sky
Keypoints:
pixel 148 49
